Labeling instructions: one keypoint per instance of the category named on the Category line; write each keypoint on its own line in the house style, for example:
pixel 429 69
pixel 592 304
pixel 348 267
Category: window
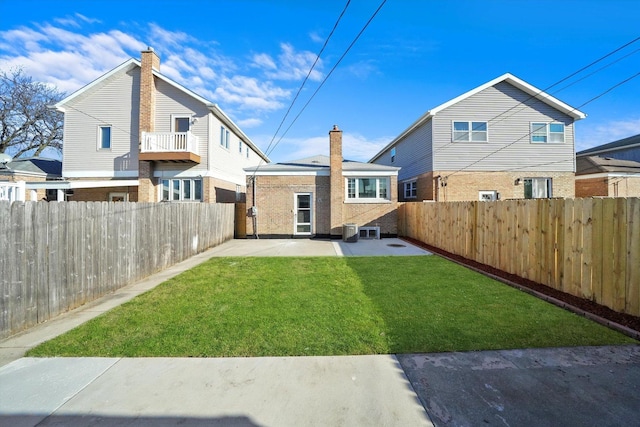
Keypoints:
pixel 367 188
pixel 224 137
pixel 247 150
pixel 181 190
pixel 537 188
pixel 104 136
pixel 181 124
pixel 393 155
pixel 487 196
pixel 470 132
pixel 410 190
pixel 240 146
pixel 547 132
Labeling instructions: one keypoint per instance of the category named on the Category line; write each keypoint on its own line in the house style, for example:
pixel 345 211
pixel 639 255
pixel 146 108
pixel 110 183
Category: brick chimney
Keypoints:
pixel 149 61
pixel 336 181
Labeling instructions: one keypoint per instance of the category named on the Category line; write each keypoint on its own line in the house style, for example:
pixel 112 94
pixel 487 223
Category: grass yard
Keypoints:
pixel 327 306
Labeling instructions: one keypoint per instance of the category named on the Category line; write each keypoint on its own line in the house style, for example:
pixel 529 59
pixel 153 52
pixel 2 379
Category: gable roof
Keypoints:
pixel 630 142
pixel 133 63
pixel 40 166
pixel 595 164
pixel 319 165
pixel 531 90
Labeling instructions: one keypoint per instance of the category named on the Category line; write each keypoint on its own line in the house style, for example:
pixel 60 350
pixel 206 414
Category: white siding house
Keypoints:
pixel 134 134
pixel 505 139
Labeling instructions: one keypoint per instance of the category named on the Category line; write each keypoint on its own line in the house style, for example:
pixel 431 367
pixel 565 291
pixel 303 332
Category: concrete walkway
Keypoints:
pixel 583 386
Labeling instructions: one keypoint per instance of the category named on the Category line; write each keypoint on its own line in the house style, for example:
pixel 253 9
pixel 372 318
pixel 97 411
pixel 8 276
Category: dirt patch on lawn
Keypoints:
pixel 625 320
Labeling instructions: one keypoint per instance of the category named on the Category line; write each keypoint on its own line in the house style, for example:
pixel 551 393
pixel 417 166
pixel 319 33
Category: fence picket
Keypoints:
pixel 57 256
pixel 589 248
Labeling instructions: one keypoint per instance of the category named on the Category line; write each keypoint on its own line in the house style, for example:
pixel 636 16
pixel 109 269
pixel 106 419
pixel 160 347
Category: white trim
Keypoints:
pixel 295 214
pixel 187 116
pixel 67 185
pixel 548 129
pixel 262 172
pixel 99 146
pixel 470 131
pixel 369 173
pixel 100 174
pixel 609 175
pixel 170 174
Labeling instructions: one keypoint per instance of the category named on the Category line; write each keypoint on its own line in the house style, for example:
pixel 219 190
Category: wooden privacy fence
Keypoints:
pixel 589 248
pixel 57 256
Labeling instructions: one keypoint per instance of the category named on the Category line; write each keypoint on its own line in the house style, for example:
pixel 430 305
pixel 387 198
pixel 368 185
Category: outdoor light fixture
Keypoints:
pixel 517 181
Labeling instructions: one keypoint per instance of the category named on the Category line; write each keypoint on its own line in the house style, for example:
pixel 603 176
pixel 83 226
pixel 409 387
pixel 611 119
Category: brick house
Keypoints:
pixel 33 177
pixel 136 135
pixel 316 196
pixel 505 139
pixel 609 170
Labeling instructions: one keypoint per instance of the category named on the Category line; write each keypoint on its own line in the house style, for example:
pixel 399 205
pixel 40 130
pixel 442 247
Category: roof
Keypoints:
pixel 51 168
pixel 532 91
pixel 319 165
pixel 595 164
pixel 630 142
pixel 133 63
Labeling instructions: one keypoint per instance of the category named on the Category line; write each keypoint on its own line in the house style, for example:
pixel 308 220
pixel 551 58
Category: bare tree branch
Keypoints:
pixel 27 125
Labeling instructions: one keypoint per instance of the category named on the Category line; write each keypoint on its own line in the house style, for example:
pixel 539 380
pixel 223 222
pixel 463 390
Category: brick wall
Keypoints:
pixel 591 187
pixel 101 194
pixel 464 186
pixel 383 215
pixel 337 181
pixel 215 190
pixel 275 203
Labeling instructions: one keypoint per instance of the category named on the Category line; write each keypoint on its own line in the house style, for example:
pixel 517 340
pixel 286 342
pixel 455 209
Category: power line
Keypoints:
pixel 331 71
pixel 523 103
pixel 308 75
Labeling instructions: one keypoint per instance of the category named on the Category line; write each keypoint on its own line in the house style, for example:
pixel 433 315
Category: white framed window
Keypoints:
pixel 538 188
pixel 470 132
pixel 118 197
pixel 247 150
pixel 547 132
pixel 224 137
pixel 410 190
pixel 180 123
pixel 181 190
pixel 104 137
pixel 240 146
pixel 374 188
pixel 487 195
pixel 393 155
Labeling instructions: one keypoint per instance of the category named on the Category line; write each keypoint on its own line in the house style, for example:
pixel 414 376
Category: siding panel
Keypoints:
pixel 509 112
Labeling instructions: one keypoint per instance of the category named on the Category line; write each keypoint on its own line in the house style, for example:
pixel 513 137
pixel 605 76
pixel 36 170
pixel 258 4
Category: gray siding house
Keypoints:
pixel 505 139
pixel 136 135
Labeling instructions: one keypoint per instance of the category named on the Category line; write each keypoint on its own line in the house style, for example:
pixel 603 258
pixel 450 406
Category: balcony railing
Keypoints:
pixel 169 146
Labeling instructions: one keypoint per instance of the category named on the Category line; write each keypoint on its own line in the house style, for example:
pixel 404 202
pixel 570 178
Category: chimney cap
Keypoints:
pixel 149 48
pixel 335 127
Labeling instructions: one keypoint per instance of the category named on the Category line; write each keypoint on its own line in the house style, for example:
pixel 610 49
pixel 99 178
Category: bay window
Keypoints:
pixel 374 188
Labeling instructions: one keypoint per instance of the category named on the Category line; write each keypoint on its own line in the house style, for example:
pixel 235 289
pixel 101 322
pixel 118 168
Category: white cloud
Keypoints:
pixel 250 123
pixel 290 65
pixel 248 92
pixel 594 134
pixel 315 37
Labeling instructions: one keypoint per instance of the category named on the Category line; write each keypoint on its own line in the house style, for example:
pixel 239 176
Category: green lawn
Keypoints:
pixel 327 306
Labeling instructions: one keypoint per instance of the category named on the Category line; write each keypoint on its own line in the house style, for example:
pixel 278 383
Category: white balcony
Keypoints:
pixel 169 147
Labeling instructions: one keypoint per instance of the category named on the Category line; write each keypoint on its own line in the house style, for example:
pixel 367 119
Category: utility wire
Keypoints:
pixel 308 75
pixel 494 120
pixel 331 72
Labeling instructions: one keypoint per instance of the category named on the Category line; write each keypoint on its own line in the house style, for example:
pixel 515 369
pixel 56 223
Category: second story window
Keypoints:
pixel 181 124
pixel 224 137
pixel 470 132
pixel 393 155
pixel 547 132
pixel 104 138
pixel 240 146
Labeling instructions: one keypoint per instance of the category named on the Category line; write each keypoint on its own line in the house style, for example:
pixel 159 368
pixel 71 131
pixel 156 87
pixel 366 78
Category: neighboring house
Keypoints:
pixel 136 135
pixel 604 176
pixel 505 139
pixel 28 178
pixel 622 149
pixel 317 196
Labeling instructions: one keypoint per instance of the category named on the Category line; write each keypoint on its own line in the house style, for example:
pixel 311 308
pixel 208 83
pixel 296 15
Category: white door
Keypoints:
pixel 302 214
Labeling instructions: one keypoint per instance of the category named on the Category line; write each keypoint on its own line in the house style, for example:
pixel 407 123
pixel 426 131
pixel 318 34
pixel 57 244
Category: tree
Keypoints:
pixel 27 125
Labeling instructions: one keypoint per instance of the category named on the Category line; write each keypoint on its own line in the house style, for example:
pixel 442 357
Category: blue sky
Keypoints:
pixel 250 57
